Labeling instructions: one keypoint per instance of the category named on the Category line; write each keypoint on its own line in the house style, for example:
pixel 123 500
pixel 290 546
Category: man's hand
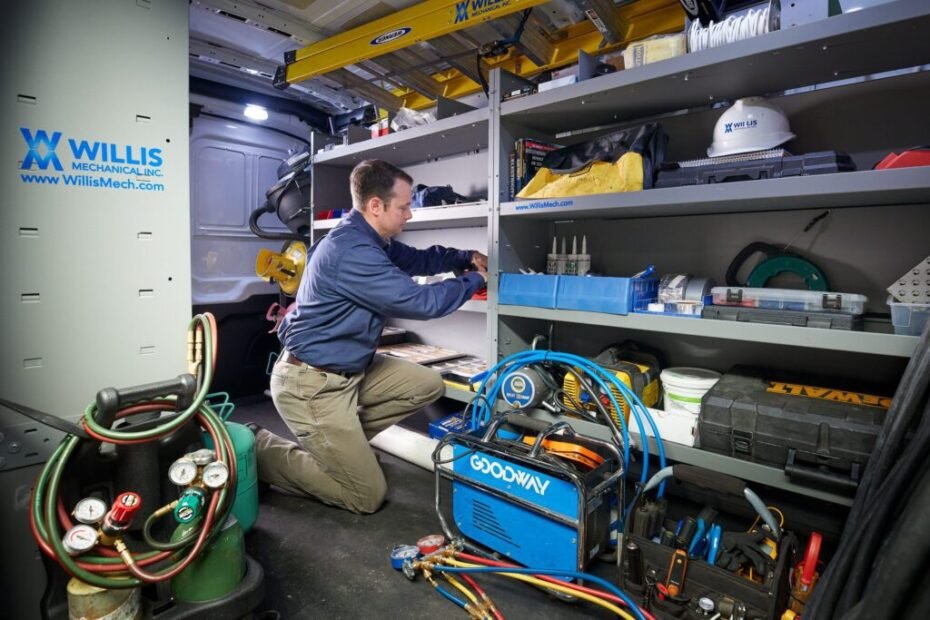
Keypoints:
pixel 480 261
pixel 483 273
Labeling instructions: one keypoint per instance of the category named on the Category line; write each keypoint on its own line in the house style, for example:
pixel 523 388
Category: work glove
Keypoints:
pixel 741 550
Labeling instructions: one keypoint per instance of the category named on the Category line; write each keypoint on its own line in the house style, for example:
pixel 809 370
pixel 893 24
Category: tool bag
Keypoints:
pixel 733 596
pixel 622 161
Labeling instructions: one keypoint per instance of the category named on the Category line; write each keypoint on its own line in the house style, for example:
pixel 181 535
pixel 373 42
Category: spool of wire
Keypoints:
pixel 754 22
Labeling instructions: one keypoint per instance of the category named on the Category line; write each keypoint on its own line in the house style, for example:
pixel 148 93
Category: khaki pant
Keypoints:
pixel 333 417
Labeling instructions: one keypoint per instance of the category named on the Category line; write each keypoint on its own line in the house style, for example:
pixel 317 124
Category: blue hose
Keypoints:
pixel 481 414
pixel 450 596
pixel 633 607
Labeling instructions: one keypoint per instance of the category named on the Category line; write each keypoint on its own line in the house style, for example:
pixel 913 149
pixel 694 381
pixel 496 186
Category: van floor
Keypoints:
pixel 324 562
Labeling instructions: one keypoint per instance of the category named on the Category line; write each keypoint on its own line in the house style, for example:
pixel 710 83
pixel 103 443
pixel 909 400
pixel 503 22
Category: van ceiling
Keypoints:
pixel 242 43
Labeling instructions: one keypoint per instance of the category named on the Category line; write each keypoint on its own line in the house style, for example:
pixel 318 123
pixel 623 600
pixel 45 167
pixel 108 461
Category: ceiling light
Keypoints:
pixel 256 112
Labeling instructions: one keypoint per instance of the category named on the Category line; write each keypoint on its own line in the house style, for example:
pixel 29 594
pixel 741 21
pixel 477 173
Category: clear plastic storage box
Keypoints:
pixel 908 319
pixel 789 299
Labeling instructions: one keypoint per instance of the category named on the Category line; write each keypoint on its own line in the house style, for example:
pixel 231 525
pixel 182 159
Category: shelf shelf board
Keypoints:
pixel 474 305
pixel 883 38
pixel 831 339
pixel 449 136
pixel 424 218
pixel 838 190
pixel 463 396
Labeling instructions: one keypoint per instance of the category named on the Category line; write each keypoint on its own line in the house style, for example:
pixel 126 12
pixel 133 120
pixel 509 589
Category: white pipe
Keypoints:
pixel 406 444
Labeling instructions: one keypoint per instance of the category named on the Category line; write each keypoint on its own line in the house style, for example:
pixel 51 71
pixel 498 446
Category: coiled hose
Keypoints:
pixel 103 567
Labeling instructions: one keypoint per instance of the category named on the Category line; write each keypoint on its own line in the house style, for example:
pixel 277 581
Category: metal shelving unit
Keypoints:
pixel 889 37
pixel 425 218
pixel 828 191
pixel 448 136
pixel 830 339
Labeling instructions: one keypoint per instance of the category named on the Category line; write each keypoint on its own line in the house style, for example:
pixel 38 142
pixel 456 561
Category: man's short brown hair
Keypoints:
pixel 374 178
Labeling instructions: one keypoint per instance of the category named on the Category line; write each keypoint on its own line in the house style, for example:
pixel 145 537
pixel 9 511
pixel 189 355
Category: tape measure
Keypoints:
pixel 400 553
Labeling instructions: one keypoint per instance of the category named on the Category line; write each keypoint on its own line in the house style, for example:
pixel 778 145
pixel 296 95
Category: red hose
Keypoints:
pixel 567 584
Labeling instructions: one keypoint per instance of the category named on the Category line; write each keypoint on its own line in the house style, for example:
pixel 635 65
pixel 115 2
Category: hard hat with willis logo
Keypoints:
pixel 751 124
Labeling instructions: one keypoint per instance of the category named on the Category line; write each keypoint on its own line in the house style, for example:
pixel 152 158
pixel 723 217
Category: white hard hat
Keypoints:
pixel 751 124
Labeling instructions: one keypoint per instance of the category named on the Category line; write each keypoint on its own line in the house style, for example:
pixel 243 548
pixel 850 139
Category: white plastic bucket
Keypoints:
pixel 684 388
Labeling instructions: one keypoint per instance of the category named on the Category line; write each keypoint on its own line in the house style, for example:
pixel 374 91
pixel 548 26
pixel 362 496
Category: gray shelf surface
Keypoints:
pixel 838 190
pixel 449 136
pixel 745 470
pixel 474 305
pixel 424 218
pixel 463 396
pixel 830 339
pixel 883 38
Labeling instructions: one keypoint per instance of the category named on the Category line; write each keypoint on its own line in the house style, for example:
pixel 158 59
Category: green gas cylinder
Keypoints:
pixel 219 568
pixel 245 506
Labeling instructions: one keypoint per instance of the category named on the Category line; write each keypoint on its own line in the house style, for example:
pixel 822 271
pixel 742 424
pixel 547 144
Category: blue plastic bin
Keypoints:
pixel 602 294
pixel 517 289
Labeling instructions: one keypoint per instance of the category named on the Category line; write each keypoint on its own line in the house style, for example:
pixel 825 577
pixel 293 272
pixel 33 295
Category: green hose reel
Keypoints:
pixel 813 277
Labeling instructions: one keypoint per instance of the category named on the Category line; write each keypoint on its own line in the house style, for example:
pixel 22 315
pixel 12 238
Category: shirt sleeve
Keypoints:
pixel 368 277
pixel 433 260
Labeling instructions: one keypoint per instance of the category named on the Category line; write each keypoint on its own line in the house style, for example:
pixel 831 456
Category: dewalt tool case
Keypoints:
pixel 820 435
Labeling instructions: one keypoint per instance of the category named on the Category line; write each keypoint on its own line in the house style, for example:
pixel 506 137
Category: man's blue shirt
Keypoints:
pixel 354 279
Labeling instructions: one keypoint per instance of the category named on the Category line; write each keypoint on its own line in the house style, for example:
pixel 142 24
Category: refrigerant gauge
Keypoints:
pixel 79 539
pixel 203 456
pixel 90 510
pixel 182 472
pixel 215 475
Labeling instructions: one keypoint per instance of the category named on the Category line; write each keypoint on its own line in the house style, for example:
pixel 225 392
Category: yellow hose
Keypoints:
pixel 549 586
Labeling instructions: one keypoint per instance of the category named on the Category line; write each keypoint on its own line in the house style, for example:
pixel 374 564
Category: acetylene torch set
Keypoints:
pixel 144 505
pixel 538 500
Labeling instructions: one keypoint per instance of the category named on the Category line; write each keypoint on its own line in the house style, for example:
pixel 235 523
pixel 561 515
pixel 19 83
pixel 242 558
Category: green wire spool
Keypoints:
pixel 813 277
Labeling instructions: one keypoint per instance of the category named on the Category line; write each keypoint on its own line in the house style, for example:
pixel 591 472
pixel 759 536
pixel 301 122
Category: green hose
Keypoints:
pixel 44 504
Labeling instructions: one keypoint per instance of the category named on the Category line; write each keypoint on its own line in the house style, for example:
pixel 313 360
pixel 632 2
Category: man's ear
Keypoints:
pixel 375 205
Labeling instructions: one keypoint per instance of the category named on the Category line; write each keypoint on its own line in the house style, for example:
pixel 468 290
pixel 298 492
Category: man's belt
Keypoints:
pixel 290 358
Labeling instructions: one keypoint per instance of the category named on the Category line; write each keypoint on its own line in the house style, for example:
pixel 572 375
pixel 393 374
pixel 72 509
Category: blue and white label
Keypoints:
pixel 393 35
pixel 544 204
pixel 51 158
pixel 738 125
pixel 468 9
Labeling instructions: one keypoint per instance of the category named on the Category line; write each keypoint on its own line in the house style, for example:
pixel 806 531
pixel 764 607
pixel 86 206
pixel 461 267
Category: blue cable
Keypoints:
pixel 450 596
pixel 481 416
pixel 633 608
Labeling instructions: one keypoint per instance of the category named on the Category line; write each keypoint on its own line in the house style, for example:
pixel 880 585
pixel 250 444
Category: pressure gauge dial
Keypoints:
pixel 203 456
pixel 90 510
pixel 182 472
pixel 79 539
pixel 215 475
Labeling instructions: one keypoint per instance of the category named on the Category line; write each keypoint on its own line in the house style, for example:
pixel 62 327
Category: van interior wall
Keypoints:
pixel 234 161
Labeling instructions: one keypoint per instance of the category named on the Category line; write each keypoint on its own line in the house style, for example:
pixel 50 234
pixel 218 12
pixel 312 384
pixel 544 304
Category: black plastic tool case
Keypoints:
pixel 820 435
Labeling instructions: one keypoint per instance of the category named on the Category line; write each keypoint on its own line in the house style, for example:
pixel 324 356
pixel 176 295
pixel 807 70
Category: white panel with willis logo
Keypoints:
pixel 534 492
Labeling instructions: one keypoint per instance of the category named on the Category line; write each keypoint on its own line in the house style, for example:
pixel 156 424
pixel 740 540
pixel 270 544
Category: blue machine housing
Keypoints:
pixel 534 508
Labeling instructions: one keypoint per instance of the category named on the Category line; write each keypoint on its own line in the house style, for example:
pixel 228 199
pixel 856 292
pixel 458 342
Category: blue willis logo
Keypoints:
pixel 42 152
pixel 477 7
pixel 735 126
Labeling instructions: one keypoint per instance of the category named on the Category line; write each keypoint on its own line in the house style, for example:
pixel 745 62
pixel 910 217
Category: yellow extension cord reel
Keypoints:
pixel 286 268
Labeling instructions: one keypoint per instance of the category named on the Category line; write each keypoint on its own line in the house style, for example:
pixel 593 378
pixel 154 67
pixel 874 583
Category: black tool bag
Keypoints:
pixel 819 435
pixel 648 140
pixel 733 595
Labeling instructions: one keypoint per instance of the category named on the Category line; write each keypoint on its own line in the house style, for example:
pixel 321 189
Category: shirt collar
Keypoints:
pixel 357 219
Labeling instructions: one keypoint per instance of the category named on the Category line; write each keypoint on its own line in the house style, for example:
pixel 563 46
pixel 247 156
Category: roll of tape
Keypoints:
pixel 698 288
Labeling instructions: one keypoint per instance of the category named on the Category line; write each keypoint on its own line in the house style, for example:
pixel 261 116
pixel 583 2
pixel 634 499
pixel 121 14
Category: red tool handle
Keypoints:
pixel 124 508
pixel 811 557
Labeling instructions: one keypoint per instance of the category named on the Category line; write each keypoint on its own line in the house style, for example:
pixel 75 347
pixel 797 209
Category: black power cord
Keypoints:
pixel 499 48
